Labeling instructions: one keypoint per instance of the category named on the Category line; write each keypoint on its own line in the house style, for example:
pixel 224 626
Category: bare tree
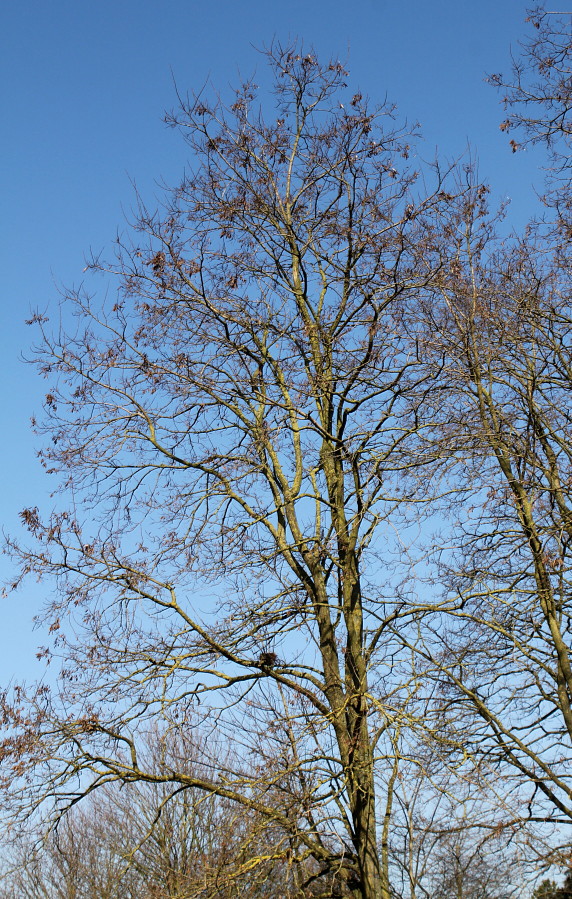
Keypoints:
pixel 538 92
pixel 139 841
pixel 78 861
pixel 537 97
pixel 241 435
pixel 502 336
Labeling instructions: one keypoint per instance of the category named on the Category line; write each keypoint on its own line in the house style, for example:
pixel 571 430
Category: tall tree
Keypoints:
pixel 501 334
pixel 240 432
pixel 500 330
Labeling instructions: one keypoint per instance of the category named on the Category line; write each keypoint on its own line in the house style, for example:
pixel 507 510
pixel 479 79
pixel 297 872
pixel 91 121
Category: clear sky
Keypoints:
pixel 84 87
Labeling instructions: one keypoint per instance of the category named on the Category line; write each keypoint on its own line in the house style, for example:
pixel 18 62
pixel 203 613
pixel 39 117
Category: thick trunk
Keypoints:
pixel 372 882
pixel 350 717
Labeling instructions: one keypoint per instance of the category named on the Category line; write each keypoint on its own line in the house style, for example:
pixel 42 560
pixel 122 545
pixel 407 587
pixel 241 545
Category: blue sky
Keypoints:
pixel 84 88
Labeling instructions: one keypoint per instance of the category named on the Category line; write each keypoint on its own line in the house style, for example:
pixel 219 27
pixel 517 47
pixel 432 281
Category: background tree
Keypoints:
pixel 141 840
pixel 537 97
pixel 502 336
pixel 130 842
pixel 447 833
pixel 500 325
pixel 538 93
pixel 79 861
pixel 137 840
pixel 549 889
